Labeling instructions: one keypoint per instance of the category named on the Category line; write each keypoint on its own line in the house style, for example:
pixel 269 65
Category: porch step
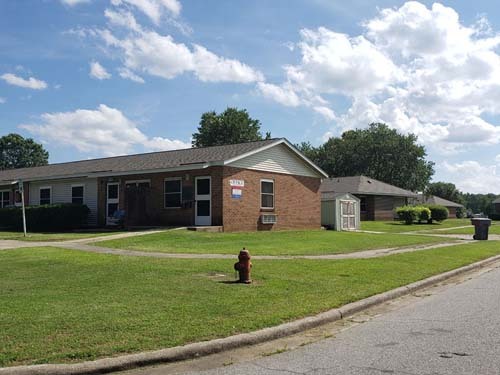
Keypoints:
pixel 207 228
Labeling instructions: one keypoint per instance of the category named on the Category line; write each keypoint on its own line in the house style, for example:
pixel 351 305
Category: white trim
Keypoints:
pixel 78 185
pixel 273 194
pixel 278 142
pixel 165 193
pixel 39 194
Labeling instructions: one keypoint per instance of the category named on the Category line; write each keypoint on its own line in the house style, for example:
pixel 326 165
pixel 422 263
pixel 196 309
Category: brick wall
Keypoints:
pixel 155 211
pixel 497 208
pixel 297 201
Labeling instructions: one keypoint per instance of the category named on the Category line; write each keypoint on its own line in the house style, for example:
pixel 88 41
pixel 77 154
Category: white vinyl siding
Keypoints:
pixel 62 193
pixel 277 159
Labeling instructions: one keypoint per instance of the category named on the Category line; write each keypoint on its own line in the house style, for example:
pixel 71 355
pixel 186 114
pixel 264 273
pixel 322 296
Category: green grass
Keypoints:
pixel 399 227
pixel 265 243
pixel 65 306
pixel 494 229
pixel 61 236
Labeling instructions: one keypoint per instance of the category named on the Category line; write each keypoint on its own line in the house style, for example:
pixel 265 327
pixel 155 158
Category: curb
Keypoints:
pixel 199 349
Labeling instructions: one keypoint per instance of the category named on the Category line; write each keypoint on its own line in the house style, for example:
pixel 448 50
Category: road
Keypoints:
pixel 453 329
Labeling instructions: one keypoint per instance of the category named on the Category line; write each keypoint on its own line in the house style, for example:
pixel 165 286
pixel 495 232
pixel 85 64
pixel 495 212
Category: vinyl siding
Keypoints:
pixel 61 193
pixel 277 159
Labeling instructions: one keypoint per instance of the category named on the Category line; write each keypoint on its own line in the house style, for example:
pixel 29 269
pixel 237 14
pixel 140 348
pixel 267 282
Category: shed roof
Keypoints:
pixel 433 199
pixel 190 158
pixel 363 185
pixel 333 196
pixel 497 200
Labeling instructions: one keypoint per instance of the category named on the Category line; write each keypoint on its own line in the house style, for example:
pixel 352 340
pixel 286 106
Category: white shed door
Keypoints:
pixel 348 215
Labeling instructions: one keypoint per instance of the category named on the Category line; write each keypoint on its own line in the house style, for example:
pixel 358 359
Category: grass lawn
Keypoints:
pixel 63 306
pixel 494 229
pixel 61 236
pixel 398 227
pixel 265 243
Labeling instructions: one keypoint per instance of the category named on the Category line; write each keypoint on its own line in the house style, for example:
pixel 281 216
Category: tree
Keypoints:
pixel 19 152
pixel 308 150
pixel 379 152
pixel 445 190
pixel 231 126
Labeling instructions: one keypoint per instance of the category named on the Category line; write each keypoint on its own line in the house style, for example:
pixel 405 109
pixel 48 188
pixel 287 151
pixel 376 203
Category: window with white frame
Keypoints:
pixel 45 195
pixel 18 200
pixel 77 194
pixel 173 192
pixel 4 198
pixel 267 193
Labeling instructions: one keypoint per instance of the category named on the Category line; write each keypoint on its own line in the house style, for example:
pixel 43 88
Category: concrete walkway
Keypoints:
pixel 376 253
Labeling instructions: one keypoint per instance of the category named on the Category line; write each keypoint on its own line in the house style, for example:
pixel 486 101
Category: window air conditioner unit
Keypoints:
pixel 268 219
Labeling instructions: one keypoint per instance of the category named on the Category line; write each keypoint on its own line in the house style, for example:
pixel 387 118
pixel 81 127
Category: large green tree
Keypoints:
pixel 445 190
pixel 19 152
pixel 231 126
pixel 379 152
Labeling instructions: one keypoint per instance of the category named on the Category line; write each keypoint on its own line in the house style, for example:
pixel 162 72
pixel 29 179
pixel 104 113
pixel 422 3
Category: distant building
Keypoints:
pixel 432 199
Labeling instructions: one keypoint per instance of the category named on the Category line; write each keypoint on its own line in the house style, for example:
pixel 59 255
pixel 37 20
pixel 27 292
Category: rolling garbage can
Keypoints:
pixel 481 226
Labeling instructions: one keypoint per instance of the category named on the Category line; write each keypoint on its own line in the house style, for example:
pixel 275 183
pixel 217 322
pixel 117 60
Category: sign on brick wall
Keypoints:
pixel 236 193
pixel 237 183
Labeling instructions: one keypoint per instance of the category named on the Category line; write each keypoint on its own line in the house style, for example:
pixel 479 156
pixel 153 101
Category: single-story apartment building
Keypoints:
pixel 262 185
pixel 378 200
pixel 433 199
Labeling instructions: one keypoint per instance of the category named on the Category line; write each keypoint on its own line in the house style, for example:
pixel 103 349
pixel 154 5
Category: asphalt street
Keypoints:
pixel 455 331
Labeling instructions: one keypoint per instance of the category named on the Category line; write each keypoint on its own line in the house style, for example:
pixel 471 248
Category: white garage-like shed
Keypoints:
pixel 340 211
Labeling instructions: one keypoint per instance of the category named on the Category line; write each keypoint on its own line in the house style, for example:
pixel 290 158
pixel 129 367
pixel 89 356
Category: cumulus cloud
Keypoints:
pixel 97 71
pixel 127 74
pixel 148 52
pixel 154 9
pixel 30 83
pixel 473 177
pixel 417 68
pixel 3 100
pixel 105 131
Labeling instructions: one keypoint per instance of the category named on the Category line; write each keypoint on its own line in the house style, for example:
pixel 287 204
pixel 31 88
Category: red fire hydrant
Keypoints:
pixel 243 266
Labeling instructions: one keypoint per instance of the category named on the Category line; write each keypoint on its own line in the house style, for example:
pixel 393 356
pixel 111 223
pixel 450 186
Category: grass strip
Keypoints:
pixel 266 243
pixel 60 236
pixel 63 306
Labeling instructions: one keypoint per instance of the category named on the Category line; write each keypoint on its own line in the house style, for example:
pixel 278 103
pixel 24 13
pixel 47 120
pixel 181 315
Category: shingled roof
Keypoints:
pixel 363 185
pixel 143 163
pixel 497 200
pixel 433 199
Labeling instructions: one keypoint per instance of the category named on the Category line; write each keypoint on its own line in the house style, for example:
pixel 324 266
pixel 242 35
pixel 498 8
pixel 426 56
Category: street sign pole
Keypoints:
pixel 21 191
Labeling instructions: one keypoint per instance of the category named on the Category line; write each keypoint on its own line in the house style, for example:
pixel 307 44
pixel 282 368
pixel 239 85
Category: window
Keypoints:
pixel 362 204
pixel 4 198
pixel 77 193
pixel 267 193
pixel 173 192
pixel 45 195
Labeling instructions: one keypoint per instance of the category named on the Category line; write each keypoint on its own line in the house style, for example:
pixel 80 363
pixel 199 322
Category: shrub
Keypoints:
pixel 494 216
pixel 438 213
pixel 408 214
pixel 53 217
pixel 423 213
pixel 460 213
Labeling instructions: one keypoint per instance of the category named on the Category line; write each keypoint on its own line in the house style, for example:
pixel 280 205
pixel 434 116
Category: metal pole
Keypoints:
pixel 21 191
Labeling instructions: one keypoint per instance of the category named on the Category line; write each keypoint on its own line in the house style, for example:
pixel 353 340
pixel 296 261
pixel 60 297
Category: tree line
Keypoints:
pixel 377 151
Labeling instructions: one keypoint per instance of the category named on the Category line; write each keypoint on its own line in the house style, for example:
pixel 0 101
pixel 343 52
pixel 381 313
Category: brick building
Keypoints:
pixel 263 185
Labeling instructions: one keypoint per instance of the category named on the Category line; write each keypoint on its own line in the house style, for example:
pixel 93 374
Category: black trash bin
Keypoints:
pixel 481 226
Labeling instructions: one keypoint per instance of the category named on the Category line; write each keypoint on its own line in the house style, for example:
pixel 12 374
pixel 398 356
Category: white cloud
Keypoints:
pixel 127 74
pixel 473 177
pixel 3 100
pixel 418 69
pixel 326 112
pixel 106 131
pixel 281 94
pixel 97 71
pixel 159 55
pixel 30 83
pixel 154 9
pixel 72 3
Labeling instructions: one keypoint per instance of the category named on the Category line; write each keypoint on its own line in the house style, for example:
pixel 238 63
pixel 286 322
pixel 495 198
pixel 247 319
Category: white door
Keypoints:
pixel 203 201
pixel 348 215
pixel 112 199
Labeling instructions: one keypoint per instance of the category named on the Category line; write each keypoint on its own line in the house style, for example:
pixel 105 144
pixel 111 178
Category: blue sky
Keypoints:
pixel 92 78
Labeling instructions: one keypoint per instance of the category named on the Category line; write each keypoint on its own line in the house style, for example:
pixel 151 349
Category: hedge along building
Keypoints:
pixel 433 199
pixel 378 200
pixel 263 185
